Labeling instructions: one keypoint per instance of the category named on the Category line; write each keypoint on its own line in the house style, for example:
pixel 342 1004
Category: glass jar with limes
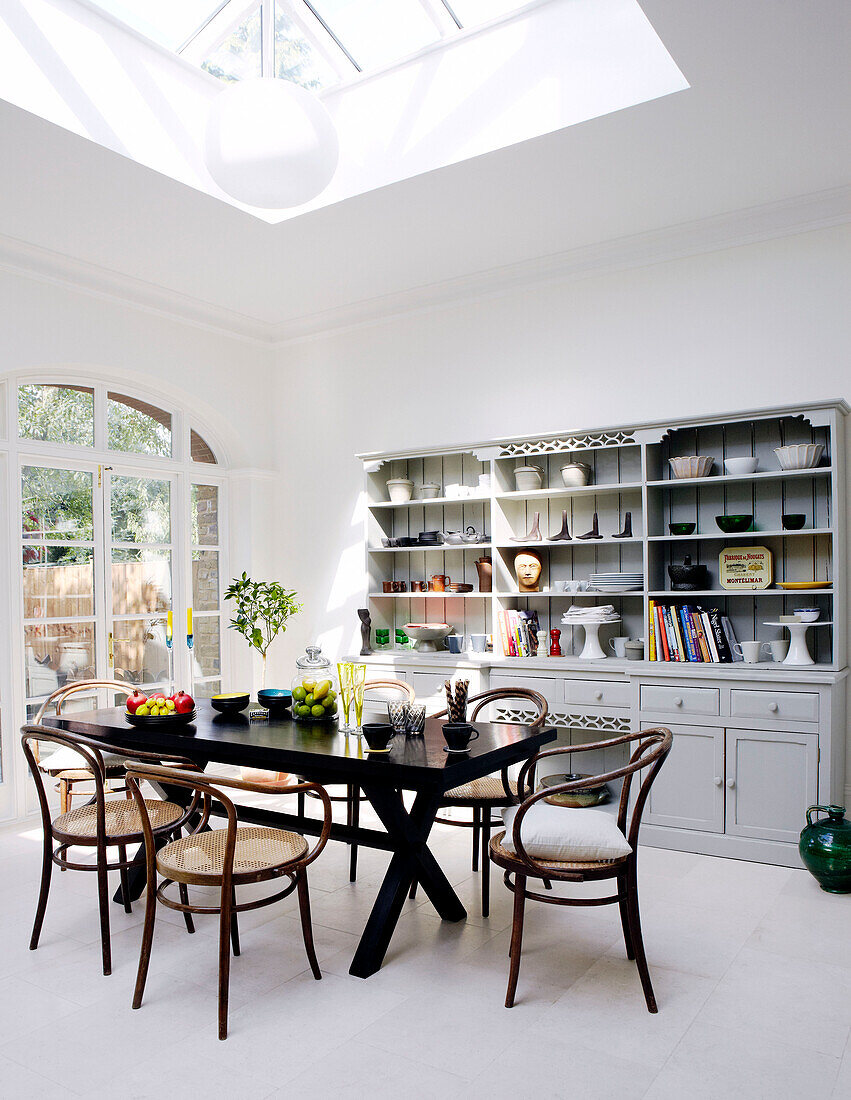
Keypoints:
pixel 315 689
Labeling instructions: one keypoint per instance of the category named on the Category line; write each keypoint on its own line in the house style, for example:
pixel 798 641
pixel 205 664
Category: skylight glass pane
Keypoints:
pixel 169 22
pixel 472 12
pixel 238 55
pixel 378 32
pixel 296 58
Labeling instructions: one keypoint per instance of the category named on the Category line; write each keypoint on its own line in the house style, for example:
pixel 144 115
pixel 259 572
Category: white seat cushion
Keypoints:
pixel 565 834
pixel 66 760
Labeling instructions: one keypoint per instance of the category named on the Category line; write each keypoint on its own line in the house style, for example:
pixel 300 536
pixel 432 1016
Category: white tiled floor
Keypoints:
pixel 751 965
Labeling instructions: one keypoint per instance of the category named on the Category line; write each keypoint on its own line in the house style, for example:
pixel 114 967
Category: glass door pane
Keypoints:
pixel 58 573
pixel 140 588
pixel 206 590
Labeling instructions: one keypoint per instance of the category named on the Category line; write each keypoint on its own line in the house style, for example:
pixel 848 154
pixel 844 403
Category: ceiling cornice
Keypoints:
pixel 42 264
pixel 801 214
pixel 788 217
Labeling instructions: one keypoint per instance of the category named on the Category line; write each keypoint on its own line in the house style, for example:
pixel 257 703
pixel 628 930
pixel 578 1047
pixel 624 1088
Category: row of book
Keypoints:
pixel 519 632
pixel 688 632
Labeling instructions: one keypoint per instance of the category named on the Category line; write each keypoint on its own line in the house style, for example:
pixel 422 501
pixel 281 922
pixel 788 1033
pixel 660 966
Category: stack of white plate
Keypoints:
pixel 613 583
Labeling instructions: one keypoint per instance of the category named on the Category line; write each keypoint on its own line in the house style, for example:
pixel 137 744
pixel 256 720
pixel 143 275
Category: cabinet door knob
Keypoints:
pixel 598 695
pixel 731 784
pixel 678 702
pixel 773 707
pixel 718 781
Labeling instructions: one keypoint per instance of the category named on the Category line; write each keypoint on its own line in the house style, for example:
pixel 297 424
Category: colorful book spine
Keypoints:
pixel 682 614
pixel 725 654
pixel 710 637
pixel 678 637
pixel 661 633
pixel 705 651
pixel 651 632
pixel 695 644
pixel 503 633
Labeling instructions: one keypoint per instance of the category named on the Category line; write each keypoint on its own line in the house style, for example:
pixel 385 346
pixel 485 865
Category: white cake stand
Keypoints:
pixel 799 651
pixel 592 650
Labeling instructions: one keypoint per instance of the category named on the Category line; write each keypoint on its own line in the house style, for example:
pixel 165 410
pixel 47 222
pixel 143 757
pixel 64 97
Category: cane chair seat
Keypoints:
pixel 489 788
pixel 510 861
pixel 200 857
pixel 121 819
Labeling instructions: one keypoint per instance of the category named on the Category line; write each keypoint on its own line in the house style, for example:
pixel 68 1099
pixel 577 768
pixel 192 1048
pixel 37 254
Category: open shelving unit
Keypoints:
pixel 630 472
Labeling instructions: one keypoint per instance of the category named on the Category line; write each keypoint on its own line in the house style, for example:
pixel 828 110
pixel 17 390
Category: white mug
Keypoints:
pixel 778 649
pixel 618 646
pixel 478 642
pixel 749 651
pixel 559 586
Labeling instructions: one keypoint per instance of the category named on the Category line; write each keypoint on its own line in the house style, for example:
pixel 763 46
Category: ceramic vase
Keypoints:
pixel 825 848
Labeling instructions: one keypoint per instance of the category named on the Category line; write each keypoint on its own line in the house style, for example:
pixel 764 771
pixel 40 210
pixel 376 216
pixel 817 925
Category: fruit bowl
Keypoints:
pixel 734 525
pixel 425 635
pixel 164 721
pixel 230 702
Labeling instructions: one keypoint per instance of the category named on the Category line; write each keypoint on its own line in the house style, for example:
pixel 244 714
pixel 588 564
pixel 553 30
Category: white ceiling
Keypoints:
pixel 766 120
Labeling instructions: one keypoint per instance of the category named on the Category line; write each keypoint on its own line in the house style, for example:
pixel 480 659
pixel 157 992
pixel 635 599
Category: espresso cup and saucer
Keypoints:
pixel 458 736
pixel 378 736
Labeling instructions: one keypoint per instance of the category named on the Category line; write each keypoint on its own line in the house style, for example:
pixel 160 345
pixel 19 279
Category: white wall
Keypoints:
pixel 758 325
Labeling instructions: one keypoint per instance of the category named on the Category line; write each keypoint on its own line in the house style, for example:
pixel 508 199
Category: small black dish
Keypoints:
pixel 682 528
pixel 407 540
pixel 458 735
pixel 164 721
pixel 378 735
pixel 793 521
pixel 275 700
pixel 230 702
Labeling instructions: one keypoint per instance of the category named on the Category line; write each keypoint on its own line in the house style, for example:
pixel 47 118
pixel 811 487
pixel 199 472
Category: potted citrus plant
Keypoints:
pixel 261 613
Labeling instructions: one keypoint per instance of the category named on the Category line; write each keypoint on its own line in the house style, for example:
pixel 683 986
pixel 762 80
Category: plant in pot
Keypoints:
pixel 261 614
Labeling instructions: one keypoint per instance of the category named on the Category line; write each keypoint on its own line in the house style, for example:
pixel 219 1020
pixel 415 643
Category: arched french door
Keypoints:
pixel 116 534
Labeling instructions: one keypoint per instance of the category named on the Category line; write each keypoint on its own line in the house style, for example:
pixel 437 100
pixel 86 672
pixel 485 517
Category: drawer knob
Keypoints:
pixel 731 783
pixel 598 695
pixel 678 702
pixel 718 781
pixel 773 707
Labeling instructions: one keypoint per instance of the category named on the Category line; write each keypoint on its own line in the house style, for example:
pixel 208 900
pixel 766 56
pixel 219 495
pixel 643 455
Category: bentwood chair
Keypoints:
pixel 224 859
pixel 100 824
pixel 484 796
pixel 353 796
pixel 519 866
pixel 65 766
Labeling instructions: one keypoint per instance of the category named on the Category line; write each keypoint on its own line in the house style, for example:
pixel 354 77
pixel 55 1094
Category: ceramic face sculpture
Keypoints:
pixel 527 569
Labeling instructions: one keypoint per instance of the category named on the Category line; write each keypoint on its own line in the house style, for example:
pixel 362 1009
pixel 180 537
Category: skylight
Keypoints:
pixel 315 43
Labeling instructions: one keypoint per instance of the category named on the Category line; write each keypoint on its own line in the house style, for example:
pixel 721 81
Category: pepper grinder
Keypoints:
pixel 555 648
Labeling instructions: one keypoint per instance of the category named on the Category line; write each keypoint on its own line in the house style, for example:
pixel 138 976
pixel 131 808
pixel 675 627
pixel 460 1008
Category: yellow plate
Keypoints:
pixel 803 585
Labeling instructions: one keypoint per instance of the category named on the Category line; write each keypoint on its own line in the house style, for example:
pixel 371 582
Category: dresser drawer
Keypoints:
pixel 680 700
pixel 599 693
pixel 551 687
pixel 775 706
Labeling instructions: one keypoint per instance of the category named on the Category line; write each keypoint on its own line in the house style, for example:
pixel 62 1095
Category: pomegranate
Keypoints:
pixel 135 700
pixel 183 703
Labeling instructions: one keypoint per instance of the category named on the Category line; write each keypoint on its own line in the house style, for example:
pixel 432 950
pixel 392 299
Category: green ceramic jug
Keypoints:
pixel 825 848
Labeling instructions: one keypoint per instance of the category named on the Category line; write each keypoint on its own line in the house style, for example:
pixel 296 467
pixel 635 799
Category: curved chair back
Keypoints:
pixel 57 698
pixel 391 688
pixel 648 757
pixel 477 703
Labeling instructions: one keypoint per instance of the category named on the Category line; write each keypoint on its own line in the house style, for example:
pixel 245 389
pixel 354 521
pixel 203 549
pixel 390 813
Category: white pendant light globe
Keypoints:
pixel 270 143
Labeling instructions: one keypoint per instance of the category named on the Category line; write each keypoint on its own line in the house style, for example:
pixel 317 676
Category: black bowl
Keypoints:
pixel 407 540
pixel 378 735
pixel 793 521
pixel 230 703
pixel 681 528
pixel 275 700
pixel 734 525
pixel 164 721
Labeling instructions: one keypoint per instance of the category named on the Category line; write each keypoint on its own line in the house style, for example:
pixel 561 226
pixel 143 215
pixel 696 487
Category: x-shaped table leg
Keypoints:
pixel 411 859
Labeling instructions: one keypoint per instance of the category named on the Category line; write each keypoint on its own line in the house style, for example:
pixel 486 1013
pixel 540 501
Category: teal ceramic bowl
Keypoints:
pixel 275 700
pixel 734 525
pixel 681 528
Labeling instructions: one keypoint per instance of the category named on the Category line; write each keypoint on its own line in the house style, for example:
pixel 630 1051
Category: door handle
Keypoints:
pixel 731 783
pixel 110 650
pixel 719 782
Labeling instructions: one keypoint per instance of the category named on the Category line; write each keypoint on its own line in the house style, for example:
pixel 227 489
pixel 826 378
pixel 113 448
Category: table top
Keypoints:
pixel 318 750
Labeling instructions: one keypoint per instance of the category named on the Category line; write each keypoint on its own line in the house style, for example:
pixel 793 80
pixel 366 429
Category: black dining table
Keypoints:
pixel 323 754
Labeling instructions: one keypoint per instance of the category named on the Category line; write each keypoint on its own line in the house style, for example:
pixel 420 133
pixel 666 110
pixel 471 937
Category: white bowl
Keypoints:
pixel 400 489
pixel 528 478
pixel 807 614
pixel 426 634
pixel 429 490
pixel 739 466
pixel 575 474
pixel 691 466
pixel 799 456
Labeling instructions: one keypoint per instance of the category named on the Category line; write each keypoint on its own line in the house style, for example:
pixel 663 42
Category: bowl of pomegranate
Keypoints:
pixel 159 709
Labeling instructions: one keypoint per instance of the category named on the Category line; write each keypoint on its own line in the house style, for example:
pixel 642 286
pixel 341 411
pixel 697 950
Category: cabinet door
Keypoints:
pixel 771 779
pixel 688 792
